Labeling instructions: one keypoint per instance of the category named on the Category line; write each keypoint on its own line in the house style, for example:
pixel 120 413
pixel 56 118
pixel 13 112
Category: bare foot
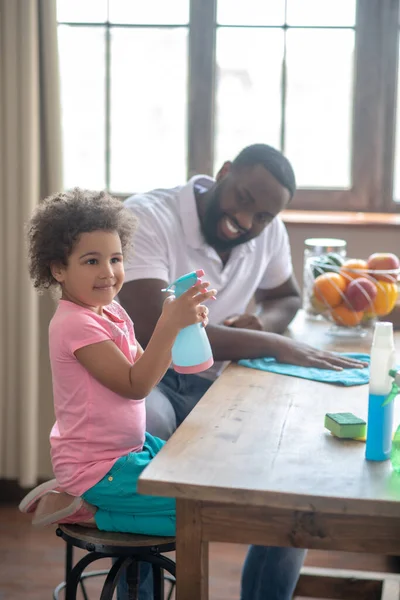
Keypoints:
pixel 90 523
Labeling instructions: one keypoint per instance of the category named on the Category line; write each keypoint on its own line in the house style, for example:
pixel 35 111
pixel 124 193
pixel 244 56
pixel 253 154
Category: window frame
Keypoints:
pixel 374 107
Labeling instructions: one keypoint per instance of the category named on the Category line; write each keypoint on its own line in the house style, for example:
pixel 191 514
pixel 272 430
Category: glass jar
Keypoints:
pixel 313 248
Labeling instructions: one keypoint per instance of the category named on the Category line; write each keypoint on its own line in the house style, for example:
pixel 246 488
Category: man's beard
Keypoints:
pixel 211 218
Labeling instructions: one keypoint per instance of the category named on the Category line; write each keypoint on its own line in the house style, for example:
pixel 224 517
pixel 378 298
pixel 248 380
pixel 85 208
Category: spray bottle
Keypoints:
pixel 191 352
pixel 380 413
pixel 395 451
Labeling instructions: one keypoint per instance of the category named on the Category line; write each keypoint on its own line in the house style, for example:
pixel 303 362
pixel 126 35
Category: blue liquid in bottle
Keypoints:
pixel 380 423
pixel 380 418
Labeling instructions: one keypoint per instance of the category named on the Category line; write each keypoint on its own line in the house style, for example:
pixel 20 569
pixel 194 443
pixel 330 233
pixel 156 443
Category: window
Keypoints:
pixel 155 91
pixel 123 70
pixel 396 190
pixel 273 85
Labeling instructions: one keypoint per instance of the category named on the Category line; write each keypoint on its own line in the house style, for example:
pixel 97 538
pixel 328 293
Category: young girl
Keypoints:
pixel 101 375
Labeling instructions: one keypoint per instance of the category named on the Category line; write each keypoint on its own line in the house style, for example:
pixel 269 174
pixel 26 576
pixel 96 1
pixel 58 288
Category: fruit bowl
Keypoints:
pixel 351 294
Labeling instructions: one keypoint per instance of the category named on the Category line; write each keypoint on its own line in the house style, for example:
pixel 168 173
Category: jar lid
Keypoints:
pixel 325 244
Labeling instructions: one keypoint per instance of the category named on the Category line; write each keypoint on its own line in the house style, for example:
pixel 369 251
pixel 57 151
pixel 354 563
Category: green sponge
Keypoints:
pixel 345 425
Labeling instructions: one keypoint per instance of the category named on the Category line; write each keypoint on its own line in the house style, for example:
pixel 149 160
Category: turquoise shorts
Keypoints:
pixel 121 508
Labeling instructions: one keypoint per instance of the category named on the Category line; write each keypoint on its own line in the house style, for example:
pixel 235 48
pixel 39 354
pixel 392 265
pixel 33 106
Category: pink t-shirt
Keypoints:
pixel 94 426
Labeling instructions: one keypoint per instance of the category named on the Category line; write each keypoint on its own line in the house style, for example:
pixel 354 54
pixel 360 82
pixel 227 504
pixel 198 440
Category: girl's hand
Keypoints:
pixel 188 308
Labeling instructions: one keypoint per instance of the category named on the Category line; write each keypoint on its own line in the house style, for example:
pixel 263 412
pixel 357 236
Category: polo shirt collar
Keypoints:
pixel 189 215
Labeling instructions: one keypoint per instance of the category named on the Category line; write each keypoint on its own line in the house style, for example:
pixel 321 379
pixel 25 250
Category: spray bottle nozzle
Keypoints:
pixel 185 282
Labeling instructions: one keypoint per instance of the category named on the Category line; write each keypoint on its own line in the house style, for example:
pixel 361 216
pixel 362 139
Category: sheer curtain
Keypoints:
pixel 30 169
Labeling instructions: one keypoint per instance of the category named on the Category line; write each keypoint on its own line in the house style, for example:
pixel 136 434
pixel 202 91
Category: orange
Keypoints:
pixel 353 268
pixel 385 299
pixel 328 289
pixel 342 315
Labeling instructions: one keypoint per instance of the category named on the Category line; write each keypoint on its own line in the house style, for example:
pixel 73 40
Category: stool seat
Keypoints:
pixel 103 541
pixel 128 550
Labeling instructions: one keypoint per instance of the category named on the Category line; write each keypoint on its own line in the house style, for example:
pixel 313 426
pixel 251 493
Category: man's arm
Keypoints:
pixel 143 300
pixel 275 309
pixel 278 307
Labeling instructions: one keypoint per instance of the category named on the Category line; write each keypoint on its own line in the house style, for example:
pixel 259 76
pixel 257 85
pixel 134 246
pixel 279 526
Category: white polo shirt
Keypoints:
pixel 169 243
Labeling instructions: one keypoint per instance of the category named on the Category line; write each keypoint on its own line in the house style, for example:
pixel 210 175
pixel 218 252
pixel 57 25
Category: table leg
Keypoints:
pixel 191 553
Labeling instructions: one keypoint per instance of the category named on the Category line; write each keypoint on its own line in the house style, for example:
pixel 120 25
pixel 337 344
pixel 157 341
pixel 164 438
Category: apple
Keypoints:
pixel 360 293
pixel 383 261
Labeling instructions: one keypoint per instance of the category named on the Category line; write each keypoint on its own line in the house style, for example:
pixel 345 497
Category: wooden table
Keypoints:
pixel 253 464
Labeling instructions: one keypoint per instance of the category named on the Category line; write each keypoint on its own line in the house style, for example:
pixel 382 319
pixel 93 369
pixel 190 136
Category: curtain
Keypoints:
pixel 30 169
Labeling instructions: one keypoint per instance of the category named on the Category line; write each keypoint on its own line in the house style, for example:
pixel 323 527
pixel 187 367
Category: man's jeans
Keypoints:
pixel 269 573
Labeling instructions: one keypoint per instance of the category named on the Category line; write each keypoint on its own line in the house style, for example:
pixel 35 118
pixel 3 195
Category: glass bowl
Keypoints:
pixel 350 298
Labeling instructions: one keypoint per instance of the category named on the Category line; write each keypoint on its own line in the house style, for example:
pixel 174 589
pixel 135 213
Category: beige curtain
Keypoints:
pixel 30 169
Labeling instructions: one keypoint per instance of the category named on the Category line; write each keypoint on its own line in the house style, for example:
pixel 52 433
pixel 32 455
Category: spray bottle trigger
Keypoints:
pixel 392 394
pixel 169 288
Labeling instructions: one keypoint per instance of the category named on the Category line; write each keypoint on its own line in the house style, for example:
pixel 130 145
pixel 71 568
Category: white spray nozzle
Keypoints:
pixel 383 334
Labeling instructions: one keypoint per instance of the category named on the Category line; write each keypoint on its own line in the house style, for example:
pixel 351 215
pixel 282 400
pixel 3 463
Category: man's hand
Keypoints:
pixel 278 306
pixel 245 321
pixel 296 353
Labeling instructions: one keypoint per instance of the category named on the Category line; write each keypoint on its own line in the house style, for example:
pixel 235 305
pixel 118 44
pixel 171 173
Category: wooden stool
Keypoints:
pixel 129 550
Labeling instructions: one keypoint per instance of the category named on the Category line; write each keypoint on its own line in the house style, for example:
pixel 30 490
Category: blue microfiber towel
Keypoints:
pixel 346 377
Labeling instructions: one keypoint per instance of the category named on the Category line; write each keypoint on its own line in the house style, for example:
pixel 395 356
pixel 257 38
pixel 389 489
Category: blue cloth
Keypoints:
pixel 347 377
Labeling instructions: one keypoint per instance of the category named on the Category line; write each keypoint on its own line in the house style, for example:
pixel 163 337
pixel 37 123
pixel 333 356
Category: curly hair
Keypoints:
pixel 58 222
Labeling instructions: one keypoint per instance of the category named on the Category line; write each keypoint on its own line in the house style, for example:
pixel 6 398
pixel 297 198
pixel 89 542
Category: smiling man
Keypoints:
pixel 230 228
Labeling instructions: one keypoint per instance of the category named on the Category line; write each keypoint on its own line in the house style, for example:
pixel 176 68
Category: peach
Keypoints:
pixel 360 293
pixel 383 261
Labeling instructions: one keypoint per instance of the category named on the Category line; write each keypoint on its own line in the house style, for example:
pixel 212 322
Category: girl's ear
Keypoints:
pixel 58 271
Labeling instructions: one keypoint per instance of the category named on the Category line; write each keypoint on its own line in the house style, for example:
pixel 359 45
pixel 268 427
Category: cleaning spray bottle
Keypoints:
pixel 395 451
pixel 191 352
pixel 380 413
